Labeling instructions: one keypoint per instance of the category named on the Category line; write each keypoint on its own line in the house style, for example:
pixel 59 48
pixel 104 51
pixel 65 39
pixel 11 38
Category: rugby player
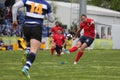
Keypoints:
pixel 59 40
pixel 35 13
pixel 86 40
pixel 54 31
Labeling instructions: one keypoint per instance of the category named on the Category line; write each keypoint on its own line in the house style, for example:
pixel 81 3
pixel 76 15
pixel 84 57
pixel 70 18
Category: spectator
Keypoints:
pixel 97 35
pixel 2 45
pixel 2 18
pixel 103 36
pixel 9 19
pixel 109 36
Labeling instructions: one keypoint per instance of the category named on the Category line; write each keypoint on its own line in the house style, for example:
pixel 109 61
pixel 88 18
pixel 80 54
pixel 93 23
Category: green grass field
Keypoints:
pixel 94 65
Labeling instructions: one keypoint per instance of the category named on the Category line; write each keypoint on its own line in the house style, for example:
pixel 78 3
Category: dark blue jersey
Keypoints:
pixel 36 11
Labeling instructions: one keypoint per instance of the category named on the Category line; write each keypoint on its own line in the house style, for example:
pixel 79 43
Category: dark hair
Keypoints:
pixel 83 15
pixel 57 22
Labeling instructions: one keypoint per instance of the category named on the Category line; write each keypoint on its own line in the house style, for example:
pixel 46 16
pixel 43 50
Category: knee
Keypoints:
pixel 53 46
pixel 78 45
pixel 82 49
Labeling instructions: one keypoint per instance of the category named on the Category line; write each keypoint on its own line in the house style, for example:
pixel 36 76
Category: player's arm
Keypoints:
pixel 78 32
pixel 92 22
pixel 50 15
pixel 51 31
pixel 15 8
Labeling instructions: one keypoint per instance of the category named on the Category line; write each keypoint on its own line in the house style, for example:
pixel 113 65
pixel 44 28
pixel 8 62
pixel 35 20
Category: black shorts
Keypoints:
pixel 32 32
pixel 58 49
pixel 87 40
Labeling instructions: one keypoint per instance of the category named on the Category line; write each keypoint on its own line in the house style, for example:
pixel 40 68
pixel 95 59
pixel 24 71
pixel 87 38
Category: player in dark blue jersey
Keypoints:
pixel 35 13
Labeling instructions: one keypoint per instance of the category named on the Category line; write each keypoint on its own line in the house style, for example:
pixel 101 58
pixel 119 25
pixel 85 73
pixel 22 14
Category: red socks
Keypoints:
pixel 52 51
pixel 73 49
pixel 79 55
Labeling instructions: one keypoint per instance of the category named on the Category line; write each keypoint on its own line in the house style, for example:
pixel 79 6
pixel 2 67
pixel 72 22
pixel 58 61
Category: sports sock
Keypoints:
pixel 28 48
pixel 73 49
pixel 79 55
pixel 30 59
pixel 52 50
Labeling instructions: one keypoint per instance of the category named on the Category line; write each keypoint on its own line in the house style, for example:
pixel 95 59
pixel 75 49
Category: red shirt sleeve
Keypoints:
pixel 52 29
pixel 90 20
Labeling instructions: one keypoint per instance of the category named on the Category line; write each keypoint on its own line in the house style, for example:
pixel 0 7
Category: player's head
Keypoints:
pixel 83 17
pixel 57 23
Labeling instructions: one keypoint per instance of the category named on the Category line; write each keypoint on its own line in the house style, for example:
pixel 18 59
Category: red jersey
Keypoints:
pixel 89 30
pixel 59 39
pixel 55 29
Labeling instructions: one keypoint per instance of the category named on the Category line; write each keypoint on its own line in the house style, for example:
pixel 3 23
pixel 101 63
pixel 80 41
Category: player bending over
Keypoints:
pixel 54 31
pixel 86 40
pixel 59 40
pixel 35 13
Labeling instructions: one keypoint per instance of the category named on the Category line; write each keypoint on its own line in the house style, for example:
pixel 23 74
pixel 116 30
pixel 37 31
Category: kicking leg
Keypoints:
pixel 75 48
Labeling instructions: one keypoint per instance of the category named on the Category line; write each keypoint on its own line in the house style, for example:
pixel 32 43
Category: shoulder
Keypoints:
pixel 24 1
pixel 60 28
pixel 89 19
pixel 45 2
pixel 53 27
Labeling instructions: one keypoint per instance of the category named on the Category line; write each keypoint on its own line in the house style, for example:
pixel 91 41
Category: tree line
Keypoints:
pixel 109 4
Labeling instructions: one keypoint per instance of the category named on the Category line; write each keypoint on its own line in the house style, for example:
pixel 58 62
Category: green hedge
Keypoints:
pixel 103 44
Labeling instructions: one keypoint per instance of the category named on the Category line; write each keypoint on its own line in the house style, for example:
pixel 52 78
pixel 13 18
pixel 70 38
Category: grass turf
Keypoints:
pixel 94 65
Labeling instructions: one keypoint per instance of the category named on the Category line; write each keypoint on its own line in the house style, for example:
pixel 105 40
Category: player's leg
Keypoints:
pixel 27 35
pixel 35 44
pixel 78 45
pixel 27 51
pixel 87 42
pixel 80 53
pixel 58 50
pixel 26 32
pixel 74 48
pixel 28 47
pixel 35 41
pixel 53 48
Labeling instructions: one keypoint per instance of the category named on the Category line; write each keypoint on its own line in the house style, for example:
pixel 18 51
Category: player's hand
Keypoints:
pixel 14 24
pixel 92 23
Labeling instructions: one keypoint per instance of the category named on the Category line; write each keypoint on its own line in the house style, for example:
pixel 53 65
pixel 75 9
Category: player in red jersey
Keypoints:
pixel 86 40
pixel 59 40
pixel 54 31
pixel 57 27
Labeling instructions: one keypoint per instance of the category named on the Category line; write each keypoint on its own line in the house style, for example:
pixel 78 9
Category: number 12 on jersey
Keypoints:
pixel 37 9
